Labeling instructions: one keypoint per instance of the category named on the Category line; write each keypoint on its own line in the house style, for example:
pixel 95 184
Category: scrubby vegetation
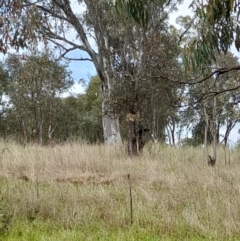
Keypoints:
pixel 81 192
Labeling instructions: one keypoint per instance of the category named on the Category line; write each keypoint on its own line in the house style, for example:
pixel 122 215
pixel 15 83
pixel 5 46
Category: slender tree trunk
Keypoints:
pixel 214 130
pixel 23 128
pixel 40 133
pixel 172 133
pixel 154 125
pixel 40 129
pixel 22 124
pixel 169 136
pixel 132 138
pixel 218 131
pixel 206 131
pixel 230 126
pixel 179 133
pixel 51 129
pixel 39 123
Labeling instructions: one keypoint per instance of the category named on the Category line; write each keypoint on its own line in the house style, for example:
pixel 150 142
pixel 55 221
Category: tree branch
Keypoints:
pixel 58 37
pixel 185 31
pixel 53 14
pixel 67 50
pixel 216 72
pixel 73 19
pixel 78 59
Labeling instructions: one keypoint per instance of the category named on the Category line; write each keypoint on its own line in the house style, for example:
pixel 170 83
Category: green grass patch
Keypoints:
pixel 38 230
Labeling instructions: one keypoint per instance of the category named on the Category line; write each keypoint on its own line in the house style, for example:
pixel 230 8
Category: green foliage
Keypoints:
pixel 20 27
pixel 216 10
pixel 139 9
pixel 218 31
pixel 34 85
pixel 217 26
pixel 227 110
pixel 84 120
pixel 134 9
pixel 35 100
pixel 198 134
pixel 91 119
pixel 140 92
pixel 93 95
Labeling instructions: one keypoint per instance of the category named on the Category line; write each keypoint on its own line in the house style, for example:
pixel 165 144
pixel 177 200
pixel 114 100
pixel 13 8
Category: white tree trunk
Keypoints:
pixel 110 120
pixel 111 130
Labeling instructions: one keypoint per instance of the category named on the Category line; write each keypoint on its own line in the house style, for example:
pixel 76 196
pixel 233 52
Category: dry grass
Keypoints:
pixel 78 186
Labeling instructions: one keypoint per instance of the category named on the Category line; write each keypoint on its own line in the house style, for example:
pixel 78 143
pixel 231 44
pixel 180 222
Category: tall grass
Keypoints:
pixel 81 192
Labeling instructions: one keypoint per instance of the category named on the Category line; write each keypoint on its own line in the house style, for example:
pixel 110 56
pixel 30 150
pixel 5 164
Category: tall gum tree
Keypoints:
pixel 33 86
pixel 97 18
pixel 142 56
pixel 26 22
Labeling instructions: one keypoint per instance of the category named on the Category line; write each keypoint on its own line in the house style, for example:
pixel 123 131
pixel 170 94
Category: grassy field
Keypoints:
pixel 80 192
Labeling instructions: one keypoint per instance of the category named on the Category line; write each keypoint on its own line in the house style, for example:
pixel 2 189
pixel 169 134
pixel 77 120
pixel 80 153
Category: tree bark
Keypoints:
pixel 132 139
pixel 230 125
pixel 169 136
pixel 40 126
pixel 23 128
pixel 206 131
pixel 111 130
pixel 154 126
pixel 172 133
pixel 110 120
pixel 214 131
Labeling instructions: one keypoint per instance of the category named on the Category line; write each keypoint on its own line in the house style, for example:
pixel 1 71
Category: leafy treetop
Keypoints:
pixel 218 21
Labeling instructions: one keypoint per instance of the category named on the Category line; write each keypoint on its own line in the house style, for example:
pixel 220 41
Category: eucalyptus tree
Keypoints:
pixel 144 59
pixel 205 84
pixel 212 112
pixel 217 28
pixel 227 103
pixel 68 26
pixel 35 82
pixel 218 21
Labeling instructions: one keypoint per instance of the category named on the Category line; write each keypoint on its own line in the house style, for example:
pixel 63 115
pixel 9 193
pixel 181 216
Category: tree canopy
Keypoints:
pixel 218 23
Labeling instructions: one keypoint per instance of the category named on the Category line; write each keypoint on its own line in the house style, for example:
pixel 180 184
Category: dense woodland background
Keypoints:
pixel 35 112
pixel 151 84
